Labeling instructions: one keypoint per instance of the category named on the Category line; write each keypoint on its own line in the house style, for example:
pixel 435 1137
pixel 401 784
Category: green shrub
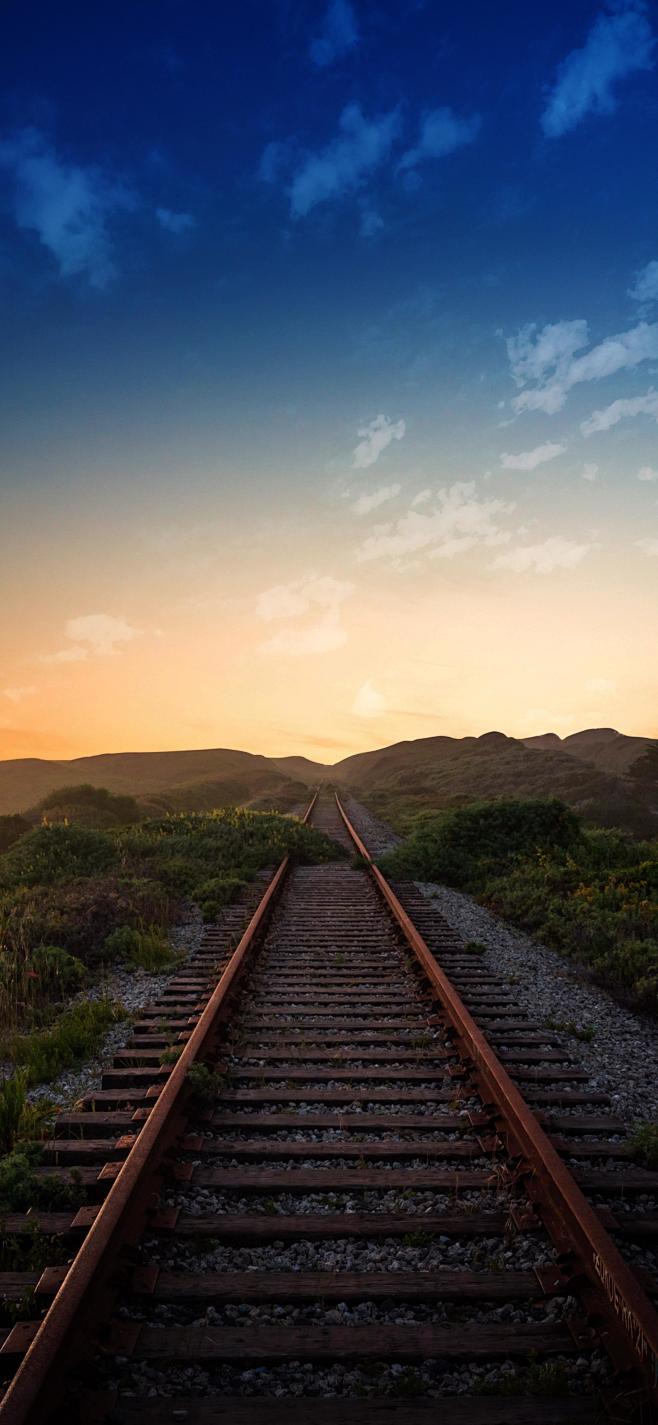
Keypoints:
pixel 462 847
pixel 54 853
pixel 142 949
pixel 591 894
pixel 11 829
pixel 644 1143
pixel 81 914
pixel 20 1119
pixel 71 1039
pixel 213 895
pixel 107 806
pixel 20 1188
pixel 58 972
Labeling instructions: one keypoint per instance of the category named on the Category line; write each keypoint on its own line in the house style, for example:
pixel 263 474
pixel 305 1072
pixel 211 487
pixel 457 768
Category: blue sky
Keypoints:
pixel 371 291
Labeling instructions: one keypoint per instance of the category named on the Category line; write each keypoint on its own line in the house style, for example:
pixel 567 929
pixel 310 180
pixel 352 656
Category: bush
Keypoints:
pixel 143 949
pixel 20 1188
pixel 96 801
pixel 644 1143
pixel 213 895
pixel 58 972
pixel 462 847
pixel 80 915
pixel 54 853
pixel 19 1118
pixel 74 1036
pixel 11 829
pixel 592 895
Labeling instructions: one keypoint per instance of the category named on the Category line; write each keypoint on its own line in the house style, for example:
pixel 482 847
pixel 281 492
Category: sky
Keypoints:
pixel 329 373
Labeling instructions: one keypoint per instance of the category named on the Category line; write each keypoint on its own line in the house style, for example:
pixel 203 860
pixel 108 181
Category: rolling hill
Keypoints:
pixel 608 777
pixel 193 780
pixel 443 771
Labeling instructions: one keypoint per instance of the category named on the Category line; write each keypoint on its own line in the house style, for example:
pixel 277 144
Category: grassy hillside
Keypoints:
pixel 437 772
pixel 175 779
pixel 609 778
pixel 606 748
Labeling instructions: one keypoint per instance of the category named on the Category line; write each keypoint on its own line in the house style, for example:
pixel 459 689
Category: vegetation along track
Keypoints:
pixel 372 1205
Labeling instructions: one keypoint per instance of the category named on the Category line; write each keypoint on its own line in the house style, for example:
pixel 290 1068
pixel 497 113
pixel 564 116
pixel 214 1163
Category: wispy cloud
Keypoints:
pixel 366 503
pixel 99 635
pixel 618 410
pixel 648 546
pixel 361 147
pixel 530 459
pixel 553 553
pixel 176 223
pixel 322 598
pixel 589 472
pixel 275 160
pixel 645 287
pixel 548 358
pixel 371 222
pixel 369 702
pixel 617 45
pixel 647 472
pixel 338 34
pixel 442 132
pixel 604 686
pixel 68 206
pixel 375 437
pixel 459 522
pixel 17 695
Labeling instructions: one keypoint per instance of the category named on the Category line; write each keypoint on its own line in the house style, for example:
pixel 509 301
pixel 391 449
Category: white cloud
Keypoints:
pixel 421 498
pixel 371 222
pixel 532 356
pixel 66 205
pixel 290 600
pixel 647 472
pixel 530 459
pixel 275 159
pixel 322 597
pixel 93 634
pixel 16 695
pixel 459 521
pixel 648 546
pixel 645 288
pixel 554 553
pixel 627 406
pixel 548 358
pixel 589 472
pixel 366 503
pixel 601 685
pixel 321 637
pixel 617 45
pixel 374 439
pixel 369 702
pixel 176 223
pixel 337 36
pixel 441 133
pixel 361 147
pixel 74 654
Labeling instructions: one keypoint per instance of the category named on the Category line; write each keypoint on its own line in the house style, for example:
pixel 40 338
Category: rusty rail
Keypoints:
pixel 627 1311
pixel 36 1387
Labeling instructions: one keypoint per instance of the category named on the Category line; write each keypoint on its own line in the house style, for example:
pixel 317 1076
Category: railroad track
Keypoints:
pixel 375 1204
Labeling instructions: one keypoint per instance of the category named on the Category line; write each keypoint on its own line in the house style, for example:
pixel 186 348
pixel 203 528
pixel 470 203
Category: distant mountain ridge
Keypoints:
pixel 607 776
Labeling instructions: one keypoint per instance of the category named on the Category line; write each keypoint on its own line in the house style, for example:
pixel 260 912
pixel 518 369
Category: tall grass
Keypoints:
pixel 73 1037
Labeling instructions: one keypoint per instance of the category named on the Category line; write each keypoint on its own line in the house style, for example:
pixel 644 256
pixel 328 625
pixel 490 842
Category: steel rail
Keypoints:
pixel 36 1388
pixel 626 1308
